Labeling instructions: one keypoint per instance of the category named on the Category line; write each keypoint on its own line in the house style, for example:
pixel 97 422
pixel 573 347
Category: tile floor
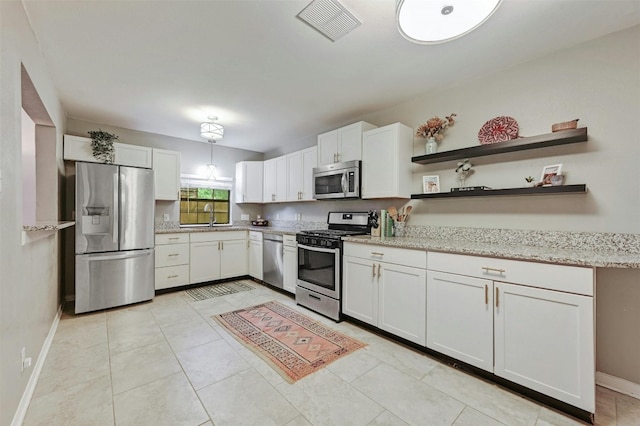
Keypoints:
pixel 166 362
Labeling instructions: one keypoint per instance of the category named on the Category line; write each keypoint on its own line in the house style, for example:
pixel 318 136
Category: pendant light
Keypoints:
pixel 210 130
pixel 211 168
pixel 431 22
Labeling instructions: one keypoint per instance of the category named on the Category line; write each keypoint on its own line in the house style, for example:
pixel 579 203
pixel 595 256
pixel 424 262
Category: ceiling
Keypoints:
pixel 164 66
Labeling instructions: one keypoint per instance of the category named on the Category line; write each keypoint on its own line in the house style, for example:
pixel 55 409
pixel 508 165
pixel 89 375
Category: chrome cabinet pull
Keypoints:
pixel 486 294
pixel 488 270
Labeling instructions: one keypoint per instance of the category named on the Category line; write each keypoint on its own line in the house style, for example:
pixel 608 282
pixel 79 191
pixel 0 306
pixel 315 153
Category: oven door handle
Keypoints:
pixel 344 183
pixel 323 250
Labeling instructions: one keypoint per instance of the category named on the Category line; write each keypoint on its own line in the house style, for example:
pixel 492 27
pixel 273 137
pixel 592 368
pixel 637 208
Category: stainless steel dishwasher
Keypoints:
pixel 272 267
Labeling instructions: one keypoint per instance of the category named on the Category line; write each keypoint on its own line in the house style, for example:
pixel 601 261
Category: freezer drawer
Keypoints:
pixel 114 279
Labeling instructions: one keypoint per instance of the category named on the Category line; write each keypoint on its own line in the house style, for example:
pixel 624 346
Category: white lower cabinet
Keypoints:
pixel 217 255
pixel 255 254
pixel 171 260
pixel 386 287
pixel 537 331
pixel 290 263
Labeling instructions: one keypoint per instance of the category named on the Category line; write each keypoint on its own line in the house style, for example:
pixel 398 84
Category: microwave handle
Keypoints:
pixel 345 183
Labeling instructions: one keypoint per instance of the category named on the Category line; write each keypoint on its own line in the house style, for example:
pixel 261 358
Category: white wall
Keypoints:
pixel 29 274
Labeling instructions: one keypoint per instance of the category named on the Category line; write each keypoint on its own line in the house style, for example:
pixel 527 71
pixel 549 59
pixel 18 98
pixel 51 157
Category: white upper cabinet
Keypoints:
pixel 166 171
pixel 343 144
pixel 249 176
pixel 300 166
pixel 275 180
pixel 386 162
pixel 78 148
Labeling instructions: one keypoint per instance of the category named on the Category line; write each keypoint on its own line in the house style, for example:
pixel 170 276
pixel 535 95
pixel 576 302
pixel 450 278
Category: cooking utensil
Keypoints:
pixel 393 212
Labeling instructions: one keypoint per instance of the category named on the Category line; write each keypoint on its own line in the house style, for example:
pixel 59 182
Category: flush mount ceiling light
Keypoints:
pixel 431 22
pixel 210 130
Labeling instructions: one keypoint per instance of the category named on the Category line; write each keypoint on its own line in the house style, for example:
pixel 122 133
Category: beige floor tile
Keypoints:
pixel 142 365
pixel 485 397
pixel 167 401
pixel 407 360
pixel 628 410
pixel 471 417
pixel 68 366
pixel 261 366
pixel 325 399
pixel 354 365
pixel 387 419
pixel 246 399
pixel 549 417
pixel 125 337
pixel 299 421
pixel 88 403
pixel 411 400
pixel 186 335
pixel 210 363
pixel 174 314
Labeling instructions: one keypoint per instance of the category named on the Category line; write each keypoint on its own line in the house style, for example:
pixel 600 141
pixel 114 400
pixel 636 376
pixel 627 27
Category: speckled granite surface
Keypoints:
pixel 48 226
pixel 603 250
pixel 581 249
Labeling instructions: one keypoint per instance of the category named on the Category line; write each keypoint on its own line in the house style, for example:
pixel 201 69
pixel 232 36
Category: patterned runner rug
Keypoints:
pixel 216 290
pixel 293 344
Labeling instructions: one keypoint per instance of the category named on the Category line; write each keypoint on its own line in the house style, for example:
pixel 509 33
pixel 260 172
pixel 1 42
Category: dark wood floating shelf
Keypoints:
pixel 506 192
pixel 564 137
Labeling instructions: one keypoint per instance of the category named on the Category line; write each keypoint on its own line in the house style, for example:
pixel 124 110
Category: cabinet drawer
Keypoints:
pixel 289 240
pixel 571 279
pixel 172 238
pixel 198 237
pixel 415 258
pixel 172 254
pixel 172 276
pixel 255 235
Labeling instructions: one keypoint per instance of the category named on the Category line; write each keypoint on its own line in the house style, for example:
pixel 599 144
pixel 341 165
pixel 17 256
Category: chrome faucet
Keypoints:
pixel 208 208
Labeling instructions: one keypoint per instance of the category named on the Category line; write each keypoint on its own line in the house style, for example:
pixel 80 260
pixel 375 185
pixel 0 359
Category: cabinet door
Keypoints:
pixel 255 259
pixel 132 155
pixel 328 148
pixel 294 170
pixel 249 182
pixel 360 290
pixel 544 340
pixel 460 318
pixel 402 301
pixel 290 275
pixel 77 148
pixel 166 170
pixel 281 178
pixel 309 161
pixel 233 258
pixel 350 142
pixel 269 181
pixel 204 261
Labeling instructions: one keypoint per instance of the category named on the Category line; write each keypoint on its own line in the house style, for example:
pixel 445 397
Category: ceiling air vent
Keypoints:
pixel 330 18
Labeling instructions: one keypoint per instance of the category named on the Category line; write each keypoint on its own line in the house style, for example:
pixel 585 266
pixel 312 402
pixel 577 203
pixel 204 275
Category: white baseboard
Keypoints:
pixel 617 384
pixel 21 412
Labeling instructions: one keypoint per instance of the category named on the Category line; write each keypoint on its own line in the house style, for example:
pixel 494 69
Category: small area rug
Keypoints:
pixel 293 344
pixel 216 290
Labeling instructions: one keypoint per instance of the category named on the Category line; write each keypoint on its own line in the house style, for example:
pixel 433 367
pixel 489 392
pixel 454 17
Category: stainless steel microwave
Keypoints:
pixel 339 180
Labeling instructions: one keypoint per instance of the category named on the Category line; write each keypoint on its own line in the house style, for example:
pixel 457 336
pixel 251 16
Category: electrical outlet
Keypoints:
pixel 25 362
pixel 244 217
pixel 165 217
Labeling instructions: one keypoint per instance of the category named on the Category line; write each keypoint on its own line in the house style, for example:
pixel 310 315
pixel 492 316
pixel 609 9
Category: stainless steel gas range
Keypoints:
pixel 319 284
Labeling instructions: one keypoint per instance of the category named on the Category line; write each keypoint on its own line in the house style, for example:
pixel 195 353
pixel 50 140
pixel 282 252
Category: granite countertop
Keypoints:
pixel 51 225
pixel 578 257
pixel 193 229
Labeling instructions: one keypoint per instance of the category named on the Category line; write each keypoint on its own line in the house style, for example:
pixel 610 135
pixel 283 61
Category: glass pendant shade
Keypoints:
pixel 430 22
pixel 211 131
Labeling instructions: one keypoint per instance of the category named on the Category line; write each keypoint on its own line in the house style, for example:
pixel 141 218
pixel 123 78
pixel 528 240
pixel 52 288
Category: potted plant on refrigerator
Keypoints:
pixel 102 145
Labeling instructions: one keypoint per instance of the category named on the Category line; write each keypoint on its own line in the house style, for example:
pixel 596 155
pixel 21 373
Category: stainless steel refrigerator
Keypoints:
pixel 114 236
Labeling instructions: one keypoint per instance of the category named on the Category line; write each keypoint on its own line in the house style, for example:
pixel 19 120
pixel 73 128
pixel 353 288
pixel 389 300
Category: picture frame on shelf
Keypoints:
pixel 431 184
pixel 548 172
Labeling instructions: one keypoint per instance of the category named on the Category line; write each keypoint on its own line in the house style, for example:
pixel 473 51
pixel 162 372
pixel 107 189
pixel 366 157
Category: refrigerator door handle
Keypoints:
pixel 99 258
pixel 116 207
